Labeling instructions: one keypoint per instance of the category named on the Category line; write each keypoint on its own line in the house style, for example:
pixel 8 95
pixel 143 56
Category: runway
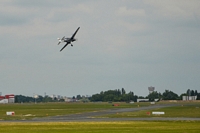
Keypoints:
pixel 91 116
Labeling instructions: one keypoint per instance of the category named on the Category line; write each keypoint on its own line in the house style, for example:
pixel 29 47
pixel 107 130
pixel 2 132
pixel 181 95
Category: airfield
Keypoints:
pixel 94 116
pixel 59 112
pixel 101 117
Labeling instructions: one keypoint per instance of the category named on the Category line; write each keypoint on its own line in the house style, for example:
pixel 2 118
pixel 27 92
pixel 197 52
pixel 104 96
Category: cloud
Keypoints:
pixel 123 11
pixel 133 44
pixel 134 27
pixel 179 9
pixel 40 20
pixel 81 8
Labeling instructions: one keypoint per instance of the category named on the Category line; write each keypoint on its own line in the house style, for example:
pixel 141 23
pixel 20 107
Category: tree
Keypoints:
pixel 23 99
pixel 47 99
pixel 130 96
pixel 154 95
pixel 195 93
pixel 96 97
pixel 84 99
pixel 78 97
pixel 114 95
pixel 141 97
pixel 119 92
pixel 109 97
pixel 192 92
pixel 27 99
pixel 198 96
pixel 39 99
pixel 123 91
pixel 169 95
pixel 188 92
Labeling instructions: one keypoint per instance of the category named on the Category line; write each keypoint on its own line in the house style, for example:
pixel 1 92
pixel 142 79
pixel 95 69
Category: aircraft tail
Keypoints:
pixel 59 41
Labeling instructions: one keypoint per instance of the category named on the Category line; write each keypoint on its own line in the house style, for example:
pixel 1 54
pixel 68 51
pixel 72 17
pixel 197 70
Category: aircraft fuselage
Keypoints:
pixel 68 40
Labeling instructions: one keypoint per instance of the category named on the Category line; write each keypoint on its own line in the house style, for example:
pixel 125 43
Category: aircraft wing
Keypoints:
pixel 64 46
pixel 75 33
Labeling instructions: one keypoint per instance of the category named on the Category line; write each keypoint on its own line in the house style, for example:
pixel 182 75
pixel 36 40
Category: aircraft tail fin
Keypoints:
pixel 59 41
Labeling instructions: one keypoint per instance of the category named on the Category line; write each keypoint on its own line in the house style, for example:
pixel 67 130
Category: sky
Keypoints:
pixel 130 44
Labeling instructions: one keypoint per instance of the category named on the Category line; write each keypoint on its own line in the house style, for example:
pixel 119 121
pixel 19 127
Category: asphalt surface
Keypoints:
pixel 90 116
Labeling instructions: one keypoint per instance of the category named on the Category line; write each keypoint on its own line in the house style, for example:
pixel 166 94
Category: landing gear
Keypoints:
pixel 71 45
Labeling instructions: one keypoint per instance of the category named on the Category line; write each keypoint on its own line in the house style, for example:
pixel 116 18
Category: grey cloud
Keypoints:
pixel 130 44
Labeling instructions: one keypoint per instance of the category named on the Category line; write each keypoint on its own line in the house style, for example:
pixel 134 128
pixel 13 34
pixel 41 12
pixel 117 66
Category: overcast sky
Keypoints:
pixel 130 44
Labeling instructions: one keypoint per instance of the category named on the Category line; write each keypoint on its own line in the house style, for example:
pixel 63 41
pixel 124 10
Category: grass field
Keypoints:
pixel 102 127
pixel 186 110
pixel 28 111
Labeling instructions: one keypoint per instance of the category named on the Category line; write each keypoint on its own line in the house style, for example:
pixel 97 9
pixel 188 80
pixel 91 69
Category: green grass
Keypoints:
pixel 53 109
pixel 102 127
pixel 29 111
pixel 186 110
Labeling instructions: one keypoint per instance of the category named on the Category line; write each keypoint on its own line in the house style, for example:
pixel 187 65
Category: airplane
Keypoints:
pixel 68 40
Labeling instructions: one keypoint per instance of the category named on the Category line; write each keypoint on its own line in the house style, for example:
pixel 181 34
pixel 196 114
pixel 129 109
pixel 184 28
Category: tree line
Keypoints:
pixel 121 96
pixel 114 95
pixel 117 95
pixel 28 99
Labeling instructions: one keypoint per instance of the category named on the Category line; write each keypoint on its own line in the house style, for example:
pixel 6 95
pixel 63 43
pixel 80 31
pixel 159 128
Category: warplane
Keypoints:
pixel 68 40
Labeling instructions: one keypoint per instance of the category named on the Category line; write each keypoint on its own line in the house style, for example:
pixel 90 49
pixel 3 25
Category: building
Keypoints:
pixel 142 100
pixel 7 98
pixel 69 99
pixel 189 98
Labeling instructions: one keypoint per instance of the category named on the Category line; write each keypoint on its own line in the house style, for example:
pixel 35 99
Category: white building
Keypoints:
pixel 189 98
pixel 142 100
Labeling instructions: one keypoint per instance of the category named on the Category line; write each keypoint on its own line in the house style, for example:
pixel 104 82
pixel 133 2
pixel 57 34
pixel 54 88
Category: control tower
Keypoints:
pixel 151 89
